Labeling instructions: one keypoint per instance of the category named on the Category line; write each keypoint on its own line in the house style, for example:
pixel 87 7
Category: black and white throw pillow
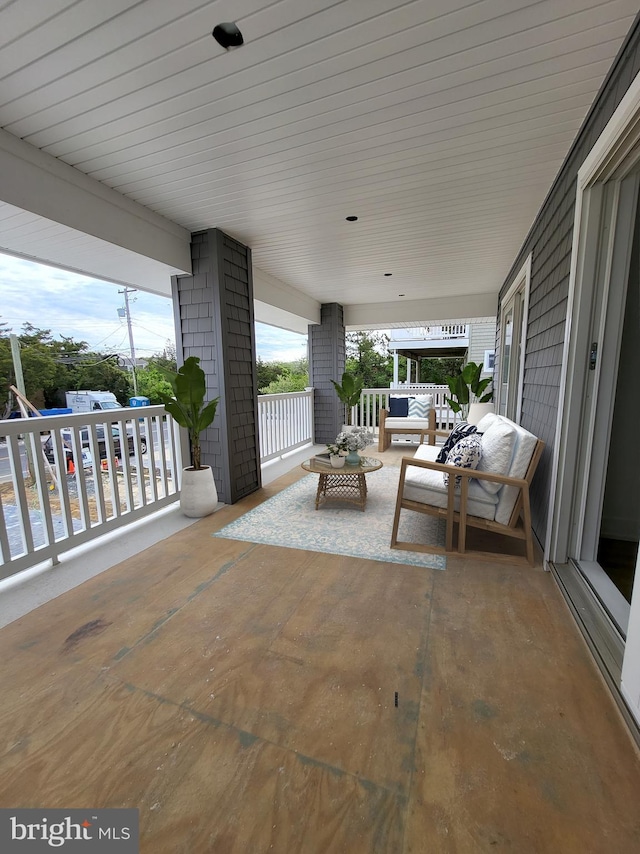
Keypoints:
pixel 460 431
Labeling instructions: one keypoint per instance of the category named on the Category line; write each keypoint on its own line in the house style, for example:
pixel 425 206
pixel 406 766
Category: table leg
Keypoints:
pixel 322 488
pixel 362 486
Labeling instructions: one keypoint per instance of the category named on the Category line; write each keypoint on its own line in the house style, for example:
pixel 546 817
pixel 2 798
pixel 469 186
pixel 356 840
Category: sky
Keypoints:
pixel 86 309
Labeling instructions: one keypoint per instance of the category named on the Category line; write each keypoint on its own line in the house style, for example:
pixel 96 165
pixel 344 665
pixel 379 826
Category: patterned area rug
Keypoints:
pixel 290 519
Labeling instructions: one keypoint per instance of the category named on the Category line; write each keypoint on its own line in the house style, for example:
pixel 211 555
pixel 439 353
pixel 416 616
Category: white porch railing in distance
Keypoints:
pixel 58 509
pixel 430 333
pixel 372 400
pixel 286 422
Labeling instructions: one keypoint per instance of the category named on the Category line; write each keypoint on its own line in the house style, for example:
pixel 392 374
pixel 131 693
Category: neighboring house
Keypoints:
pixel 474 341
pixel 567 363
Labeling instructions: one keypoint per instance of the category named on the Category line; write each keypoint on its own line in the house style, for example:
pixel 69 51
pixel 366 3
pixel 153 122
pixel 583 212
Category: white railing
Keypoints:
pixel 286 422
pixel 67 479
pixel 430 333
pixel 372 400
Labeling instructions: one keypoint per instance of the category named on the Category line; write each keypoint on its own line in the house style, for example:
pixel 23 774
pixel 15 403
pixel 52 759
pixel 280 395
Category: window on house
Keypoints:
pixel 513 325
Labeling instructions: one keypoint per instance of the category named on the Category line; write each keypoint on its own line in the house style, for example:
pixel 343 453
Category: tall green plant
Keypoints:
pixel 466 387
pixel 187 403
pixel 349 391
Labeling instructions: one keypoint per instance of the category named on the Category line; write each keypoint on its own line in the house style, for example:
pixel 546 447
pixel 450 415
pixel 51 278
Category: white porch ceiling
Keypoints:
pixel 441 124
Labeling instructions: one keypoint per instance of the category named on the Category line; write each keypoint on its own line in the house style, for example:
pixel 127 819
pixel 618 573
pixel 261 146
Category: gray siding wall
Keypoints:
pixel 549 242
pixel 215 307
pixel 326 363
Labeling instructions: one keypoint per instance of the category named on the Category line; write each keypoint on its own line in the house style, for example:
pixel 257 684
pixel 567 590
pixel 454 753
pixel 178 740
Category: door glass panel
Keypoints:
pixel 505 373
pixel 620 521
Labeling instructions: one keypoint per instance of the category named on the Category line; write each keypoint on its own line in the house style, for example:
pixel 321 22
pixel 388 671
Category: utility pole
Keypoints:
pixel 126 293
pixel 17 369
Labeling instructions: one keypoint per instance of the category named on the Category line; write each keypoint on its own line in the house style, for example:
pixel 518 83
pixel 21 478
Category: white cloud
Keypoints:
pixel 86 309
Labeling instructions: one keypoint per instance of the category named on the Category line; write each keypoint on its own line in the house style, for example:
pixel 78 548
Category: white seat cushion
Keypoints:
pixel 427 487
pixel 416 424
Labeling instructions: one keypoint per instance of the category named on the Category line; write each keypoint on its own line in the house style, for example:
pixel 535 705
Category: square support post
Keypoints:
pixel 213 310
pixel 326 363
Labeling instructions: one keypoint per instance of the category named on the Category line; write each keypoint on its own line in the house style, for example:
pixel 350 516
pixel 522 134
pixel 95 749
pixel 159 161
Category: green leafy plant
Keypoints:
pixel 466 387
pixel 339 447
pixel 349 391
pixel 187 404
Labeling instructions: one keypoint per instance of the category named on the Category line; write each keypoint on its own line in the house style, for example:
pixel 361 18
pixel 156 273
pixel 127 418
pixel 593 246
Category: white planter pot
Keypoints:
pixel 477 411
pixel 337 461
pixel 198 495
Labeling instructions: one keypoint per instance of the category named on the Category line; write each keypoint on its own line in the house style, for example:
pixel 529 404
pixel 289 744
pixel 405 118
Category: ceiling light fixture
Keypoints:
pixel 228 35
pixel 401 295
pixel 388 274
pixel 351 218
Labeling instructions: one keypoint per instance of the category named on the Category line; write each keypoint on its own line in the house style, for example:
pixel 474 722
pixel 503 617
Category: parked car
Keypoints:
pixel 102 443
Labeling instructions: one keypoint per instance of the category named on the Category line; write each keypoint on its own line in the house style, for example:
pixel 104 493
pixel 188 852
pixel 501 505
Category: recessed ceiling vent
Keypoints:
pixel 228 36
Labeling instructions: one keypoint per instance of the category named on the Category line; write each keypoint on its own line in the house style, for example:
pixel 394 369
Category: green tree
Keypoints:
pixel 152 383
pixel 437 370
pixel 267 372
pixel 53 366
pixel 40 367
pixel 286 382
pixel 100 373
pixel 166 360
pixel 282 377
pixel 368 357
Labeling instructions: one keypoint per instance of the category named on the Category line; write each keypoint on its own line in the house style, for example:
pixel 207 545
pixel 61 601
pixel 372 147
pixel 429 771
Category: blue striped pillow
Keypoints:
pixel 419 407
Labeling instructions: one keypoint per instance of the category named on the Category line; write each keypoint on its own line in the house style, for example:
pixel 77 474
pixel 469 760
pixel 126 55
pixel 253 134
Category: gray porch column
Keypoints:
pixel 326 363
pixel 213 309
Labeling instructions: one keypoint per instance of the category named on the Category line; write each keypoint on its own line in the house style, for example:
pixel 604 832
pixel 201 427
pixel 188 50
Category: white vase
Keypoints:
pixel 337 462
pixel 198 494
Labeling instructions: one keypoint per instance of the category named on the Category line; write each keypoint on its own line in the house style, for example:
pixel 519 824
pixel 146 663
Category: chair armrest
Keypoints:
pixel 434 433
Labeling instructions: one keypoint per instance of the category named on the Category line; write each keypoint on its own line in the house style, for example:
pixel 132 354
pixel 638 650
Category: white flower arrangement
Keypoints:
pixel 338 448
pixel 355 440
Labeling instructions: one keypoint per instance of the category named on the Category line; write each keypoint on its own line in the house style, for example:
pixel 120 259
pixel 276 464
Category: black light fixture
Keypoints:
pixel 388 274
pixel 401 295
pixel 228 35
pixel 351 218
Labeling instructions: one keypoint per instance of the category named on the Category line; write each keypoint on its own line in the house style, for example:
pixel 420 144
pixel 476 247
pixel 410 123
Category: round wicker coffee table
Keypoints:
pixel 346 484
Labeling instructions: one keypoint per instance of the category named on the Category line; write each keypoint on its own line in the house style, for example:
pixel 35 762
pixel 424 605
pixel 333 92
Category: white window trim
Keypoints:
pixel 522 281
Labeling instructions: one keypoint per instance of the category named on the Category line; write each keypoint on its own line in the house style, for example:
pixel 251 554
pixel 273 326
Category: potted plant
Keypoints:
pixel 198 494
pixel 338 451
pixel 349 391
pixel 467 389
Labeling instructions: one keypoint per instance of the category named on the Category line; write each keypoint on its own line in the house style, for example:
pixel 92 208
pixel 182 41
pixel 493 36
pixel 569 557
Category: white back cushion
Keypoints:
pixel 522 453
pixel 498 442
pixel 486 421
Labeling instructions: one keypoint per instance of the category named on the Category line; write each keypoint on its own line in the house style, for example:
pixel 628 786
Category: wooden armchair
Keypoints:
pixel 503 510
pixel 389 425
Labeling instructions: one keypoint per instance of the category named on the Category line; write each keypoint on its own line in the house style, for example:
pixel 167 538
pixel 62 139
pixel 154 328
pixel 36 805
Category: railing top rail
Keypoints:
pixel 286 395
pixel 405 389
pixel 43 423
